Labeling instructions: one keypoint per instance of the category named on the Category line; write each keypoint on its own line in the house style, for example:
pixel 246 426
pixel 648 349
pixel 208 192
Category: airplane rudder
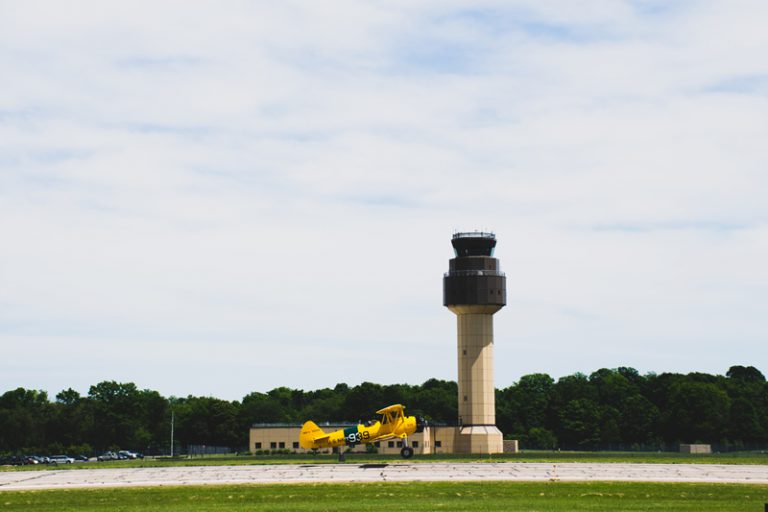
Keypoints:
pixel 310 426
pixel 309 432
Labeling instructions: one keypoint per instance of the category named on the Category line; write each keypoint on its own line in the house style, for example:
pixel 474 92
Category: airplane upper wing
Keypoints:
pixel 391 408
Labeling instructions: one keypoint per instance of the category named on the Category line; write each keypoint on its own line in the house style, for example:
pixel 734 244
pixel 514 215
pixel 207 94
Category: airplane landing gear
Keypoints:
pixel 406 452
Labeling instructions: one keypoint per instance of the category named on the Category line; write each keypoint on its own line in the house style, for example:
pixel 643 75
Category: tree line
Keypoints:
pixel 621 409
pixel 609 409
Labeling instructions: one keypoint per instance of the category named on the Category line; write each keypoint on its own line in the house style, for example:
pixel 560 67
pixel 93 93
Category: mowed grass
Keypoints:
pixel 411 497
pixel 364 458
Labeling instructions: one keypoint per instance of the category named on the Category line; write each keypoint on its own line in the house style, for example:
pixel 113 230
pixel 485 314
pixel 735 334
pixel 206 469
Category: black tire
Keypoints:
pixel 406 452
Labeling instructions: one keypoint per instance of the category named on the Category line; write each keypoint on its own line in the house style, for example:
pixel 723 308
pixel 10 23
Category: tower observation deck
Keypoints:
pixel 474 288
pixel 473 277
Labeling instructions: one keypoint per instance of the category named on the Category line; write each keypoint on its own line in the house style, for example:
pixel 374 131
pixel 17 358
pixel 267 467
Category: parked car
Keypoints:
pixel 107 456
pixel 61 459
pixel 127 454
pixel 80 458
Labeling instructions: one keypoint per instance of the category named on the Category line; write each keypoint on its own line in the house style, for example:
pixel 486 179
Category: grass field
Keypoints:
pixel 527 456
pixel 411 497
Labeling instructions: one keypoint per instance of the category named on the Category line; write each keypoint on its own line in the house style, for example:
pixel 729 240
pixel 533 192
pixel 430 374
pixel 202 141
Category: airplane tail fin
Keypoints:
pixel 309 432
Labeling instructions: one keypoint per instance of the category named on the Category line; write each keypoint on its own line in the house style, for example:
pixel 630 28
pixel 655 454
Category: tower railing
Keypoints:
pixel 474 234
pixel 456 273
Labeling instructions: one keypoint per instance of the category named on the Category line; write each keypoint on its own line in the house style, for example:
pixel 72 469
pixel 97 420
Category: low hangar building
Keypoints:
pixel 285 436
pixel 268 437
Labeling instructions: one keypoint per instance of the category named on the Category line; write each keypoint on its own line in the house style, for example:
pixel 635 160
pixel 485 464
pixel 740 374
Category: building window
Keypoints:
pixel 257 446
pixel 438 444
pixel 282 445
pixel 273 445
pixel 391 444
pixel 465 398
pixel 415 444
pixel 377 444
pixel 399 444
pixel 295 445
pixel 464 352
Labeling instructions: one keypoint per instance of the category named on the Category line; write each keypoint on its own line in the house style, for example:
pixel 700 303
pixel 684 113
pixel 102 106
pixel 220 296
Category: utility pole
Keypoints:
pixel 171 432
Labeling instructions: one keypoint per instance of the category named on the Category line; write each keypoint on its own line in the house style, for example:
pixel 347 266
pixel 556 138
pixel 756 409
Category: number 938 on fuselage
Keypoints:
pixel 392 424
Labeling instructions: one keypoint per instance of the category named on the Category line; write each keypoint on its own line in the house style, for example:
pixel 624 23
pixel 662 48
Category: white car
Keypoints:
pixel 61 459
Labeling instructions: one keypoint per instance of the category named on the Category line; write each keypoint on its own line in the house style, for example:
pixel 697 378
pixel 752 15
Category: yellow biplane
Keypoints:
pixel 393 424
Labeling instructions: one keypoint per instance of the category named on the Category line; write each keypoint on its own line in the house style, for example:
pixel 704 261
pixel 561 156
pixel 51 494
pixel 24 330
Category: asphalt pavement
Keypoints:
pixel 396 472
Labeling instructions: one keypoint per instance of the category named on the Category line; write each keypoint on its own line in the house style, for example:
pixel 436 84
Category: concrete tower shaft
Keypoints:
pixel 474 289
pixel 475 361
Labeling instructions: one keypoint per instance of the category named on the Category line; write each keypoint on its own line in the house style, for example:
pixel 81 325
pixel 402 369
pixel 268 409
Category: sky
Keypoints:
pixel 217 198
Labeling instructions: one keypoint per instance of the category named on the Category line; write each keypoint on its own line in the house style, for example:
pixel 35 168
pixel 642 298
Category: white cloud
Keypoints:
pixel 178 179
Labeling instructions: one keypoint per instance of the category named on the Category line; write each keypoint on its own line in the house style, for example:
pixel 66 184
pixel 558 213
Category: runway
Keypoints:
pixel 398 472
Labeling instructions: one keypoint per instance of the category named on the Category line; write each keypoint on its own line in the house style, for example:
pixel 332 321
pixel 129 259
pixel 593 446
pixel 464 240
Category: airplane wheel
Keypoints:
pixel 406 452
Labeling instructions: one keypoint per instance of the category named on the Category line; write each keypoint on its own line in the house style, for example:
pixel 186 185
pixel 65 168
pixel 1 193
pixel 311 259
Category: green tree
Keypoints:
pixel 154 422
pixel 322 405
pixel 25 416
pixel 361 399
pixel 698 412
pixel 745 374
pixel 525 406
pixel 436 400
pixel 746 386
pixel 573 387
pixel 115 418
pixel 262 408
pixel 541 438
pixel 628 418
pixel 72 419
pixel 612 387
pixel 640 420
pixel 208 421
pixel 579 425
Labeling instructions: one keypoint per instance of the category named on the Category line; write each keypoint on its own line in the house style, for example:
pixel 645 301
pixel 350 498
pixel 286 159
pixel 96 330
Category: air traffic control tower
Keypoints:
pixel 474 289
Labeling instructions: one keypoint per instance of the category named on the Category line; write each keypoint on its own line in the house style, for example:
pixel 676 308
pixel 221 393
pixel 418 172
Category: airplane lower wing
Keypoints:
pixel 385 437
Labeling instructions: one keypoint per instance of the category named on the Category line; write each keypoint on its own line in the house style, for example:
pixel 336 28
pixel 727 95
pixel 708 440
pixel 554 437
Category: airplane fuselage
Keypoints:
pixel 393 424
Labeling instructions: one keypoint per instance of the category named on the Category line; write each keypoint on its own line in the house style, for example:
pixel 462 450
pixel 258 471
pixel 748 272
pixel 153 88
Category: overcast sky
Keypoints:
pixel 215 198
